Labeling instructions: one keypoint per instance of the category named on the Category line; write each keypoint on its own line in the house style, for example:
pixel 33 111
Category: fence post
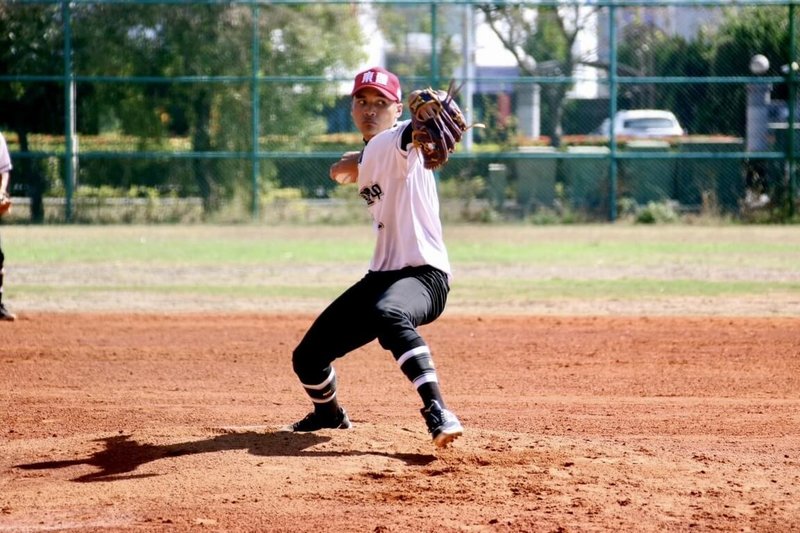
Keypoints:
pixel 255 115
pixel 70 154
pixel 434 52
pixel 612 110
pixel 790 133
pixel 469 72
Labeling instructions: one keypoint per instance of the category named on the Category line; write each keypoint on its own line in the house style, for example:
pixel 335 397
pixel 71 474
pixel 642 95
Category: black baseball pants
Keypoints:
pixel 387 306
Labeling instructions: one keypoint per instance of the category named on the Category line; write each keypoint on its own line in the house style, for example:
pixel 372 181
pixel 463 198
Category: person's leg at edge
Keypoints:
pixel 408 303
pixel 5 314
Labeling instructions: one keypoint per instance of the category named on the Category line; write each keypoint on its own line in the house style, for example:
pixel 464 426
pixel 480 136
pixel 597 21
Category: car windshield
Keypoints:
pixel 649 123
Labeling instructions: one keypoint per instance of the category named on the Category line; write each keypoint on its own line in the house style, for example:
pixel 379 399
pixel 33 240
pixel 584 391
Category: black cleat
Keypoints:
pixel 443 425
pixel 315 421
pixel 5 314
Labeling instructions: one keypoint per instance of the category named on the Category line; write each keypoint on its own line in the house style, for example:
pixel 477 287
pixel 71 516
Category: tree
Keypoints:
pixel 744 33
pixel 542 40
pixel 407 57
pixel 31 43
pixel 645 50
pixel 723 51
pixel 162 41
pixel 215 40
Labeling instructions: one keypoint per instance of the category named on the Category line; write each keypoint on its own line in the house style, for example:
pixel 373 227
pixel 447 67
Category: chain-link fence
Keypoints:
pixel 168 110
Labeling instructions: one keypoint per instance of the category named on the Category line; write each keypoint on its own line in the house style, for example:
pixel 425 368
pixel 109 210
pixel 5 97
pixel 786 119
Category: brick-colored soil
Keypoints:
pixel 173 422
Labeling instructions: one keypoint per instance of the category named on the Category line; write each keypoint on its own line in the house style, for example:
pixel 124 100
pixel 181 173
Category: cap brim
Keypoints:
pixel 382 90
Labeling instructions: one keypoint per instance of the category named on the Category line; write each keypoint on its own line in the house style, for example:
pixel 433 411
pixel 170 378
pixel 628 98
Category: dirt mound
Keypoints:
pixel 175 422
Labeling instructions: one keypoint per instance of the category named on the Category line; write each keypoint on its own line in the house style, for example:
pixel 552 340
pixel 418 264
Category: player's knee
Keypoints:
pixel 300 362
pixel 396 331
pixel 390 316
pixel 309 365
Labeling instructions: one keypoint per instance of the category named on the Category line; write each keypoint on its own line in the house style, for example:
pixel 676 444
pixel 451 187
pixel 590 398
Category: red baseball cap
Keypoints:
pixel 381 79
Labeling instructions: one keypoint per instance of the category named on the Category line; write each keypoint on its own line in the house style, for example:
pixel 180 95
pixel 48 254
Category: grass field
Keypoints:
pixel 598 269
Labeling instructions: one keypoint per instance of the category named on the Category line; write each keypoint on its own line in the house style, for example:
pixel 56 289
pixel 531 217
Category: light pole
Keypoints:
pixel 792 97
pixel 758 101
pixel 757 137
pixel 758 106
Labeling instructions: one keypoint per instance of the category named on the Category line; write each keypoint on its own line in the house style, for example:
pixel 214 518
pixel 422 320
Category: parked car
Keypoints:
pixel 643 123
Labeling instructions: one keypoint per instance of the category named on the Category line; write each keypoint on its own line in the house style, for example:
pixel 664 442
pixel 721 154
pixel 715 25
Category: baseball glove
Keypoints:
pixel 437 124
pixel 5 204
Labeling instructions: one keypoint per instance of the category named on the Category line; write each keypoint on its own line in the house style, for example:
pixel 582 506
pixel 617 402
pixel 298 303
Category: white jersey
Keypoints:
pixel 401 196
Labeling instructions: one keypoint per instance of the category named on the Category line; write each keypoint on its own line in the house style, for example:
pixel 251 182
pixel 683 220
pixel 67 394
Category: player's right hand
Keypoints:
pixel 345 170
pixel 5 203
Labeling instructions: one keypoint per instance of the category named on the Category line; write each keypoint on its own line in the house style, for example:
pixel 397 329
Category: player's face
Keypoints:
pixel 372 112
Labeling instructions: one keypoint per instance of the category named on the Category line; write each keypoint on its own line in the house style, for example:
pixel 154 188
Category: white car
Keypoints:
pixel 643 123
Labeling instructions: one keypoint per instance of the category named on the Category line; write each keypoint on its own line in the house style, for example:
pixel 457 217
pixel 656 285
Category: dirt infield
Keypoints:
pixel 173 423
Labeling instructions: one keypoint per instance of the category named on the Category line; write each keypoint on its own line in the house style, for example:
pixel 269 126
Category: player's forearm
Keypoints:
pixel 346 169
pixel 4 183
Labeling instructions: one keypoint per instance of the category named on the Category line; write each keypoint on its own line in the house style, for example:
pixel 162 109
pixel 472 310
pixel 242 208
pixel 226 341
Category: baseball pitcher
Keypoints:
pixel 407 282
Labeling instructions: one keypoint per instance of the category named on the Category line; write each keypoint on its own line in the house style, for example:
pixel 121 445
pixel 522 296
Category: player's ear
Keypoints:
pixel 399 110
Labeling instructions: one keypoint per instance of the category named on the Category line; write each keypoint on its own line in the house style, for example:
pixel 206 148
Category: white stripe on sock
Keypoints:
pixel 425 378
pixel 324 383
pixel 324 400
pixel 411 353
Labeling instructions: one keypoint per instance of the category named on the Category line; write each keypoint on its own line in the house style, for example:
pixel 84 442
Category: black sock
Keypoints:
pixel 328 409
pixel 430 392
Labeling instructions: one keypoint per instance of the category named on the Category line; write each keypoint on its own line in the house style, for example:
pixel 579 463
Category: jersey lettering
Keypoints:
pixel 371 194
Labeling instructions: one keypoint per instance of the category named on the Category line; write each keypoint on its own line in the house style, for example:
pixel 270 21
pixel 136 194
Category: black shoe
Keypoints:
pixel 443 425
pixel 315 421
pixel 5 314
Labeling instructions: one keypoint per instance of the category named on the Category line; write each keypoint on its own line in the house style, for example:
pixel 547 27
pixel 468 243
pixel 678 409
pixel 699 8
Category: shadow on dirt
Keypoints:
pixel 123 455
